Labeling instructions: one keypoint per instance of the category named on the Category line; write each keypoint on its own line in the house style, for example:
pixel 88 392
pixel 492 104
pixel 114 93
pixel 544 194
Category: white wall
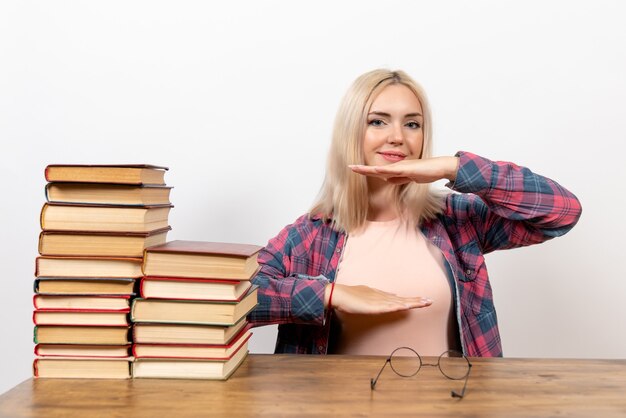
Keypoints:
pixel 238 98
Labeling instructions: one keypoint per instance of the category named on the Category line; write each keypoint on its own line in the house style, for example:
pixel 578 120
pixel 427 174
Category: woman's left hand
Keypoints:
pixel 425 170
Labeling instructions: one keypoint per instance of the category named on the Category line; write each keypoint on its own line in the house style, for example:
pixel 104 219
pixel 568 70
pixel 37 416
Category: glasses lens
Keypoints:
pixel 405 362
pixel 454 365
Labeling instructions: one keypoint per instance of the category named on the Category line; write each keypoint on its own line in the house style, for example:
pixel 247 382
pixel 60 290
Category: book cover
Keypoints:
pixel 106 173
pixel 207 248
pixel 99 243
pixel 193 311
pixel 68 334
pixel 154 287
pixel 81 350
pixel 96 318
pixel 192 351
pixel 104 218
pixel 82 368
pixel 84 303
pixel 201 259
pixel 107 194
pixel 162 333
pixel 53 266
pixel 86 286
pixel 189 369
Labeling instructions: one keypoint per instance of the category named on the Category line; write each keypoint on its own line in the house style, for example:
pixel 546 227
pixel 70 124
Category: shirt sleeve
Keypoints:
pixel 285 296
pixel 510 206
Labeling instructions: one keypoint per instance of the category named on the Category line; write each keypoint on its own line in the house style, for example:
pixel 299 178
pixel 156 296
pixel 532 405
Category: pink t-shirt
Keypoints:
pixel 391 257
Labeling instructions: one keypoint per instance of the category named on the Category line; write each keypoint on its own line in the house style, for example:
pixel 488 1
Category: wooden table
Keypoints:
pixel 328 386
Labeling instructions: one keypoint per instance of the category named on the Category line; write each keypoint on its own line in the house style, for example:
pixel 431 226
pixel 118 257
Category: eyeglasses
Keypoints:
pixel 405 362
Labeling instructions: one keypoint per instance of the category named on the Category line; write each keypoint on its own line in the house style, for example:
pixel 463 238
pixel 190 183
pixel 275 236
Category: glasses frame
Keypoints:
pixel 453 393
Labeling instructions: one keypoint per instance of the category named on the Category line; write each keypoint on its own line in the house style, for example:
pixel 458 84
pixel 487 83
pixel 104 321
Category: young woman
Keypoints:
pixel 399 264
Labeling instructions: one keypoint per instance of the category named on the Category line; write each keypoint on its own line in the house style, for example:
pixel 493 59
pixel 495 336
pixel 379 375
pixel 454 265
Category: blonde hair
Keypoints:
pixel 343 198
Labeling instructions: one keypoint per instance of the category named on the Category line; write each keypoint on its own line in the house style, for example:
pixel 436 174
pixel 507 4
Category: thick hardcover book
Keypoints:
pixel 84 303
pixel 156 333
pixel 58 217
pixel 79 350
pixel 201 259
pixel 107 194
pixel 98 244
pixel 68 334
pixel 189 369
pixel 102 318
pixel 49 266
pixel 192 351
pixel 82 368
pixel 192 289
pixel 107 173
pixel 84 286
pixel 192 311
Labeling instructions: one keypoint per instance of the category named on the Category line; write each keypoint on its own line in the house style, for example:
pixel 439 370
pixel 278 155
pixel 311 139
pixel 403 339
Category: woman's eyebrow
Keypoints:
pixel 408 115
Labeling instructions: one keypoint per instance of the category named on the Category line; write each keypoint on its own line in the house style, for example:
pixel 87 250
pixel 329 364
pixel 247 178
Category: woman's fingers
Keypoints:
pixel 367 300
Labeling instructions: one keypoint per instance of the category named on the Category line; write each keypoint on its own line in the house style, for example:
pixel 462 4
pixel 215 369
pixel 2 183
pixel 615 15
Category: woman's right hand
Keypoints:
pixel 367 300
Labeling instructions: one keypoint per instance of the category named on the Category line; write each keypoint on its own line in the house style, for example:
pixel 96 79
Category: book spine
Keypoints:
pixel 35 339
pixel 141 282
pixel 40 245
pixel 46 174
pixel 37 267
pixel 134 350
pixel 42 215
pixel 35 301
pixel 35 369
pixel 37 350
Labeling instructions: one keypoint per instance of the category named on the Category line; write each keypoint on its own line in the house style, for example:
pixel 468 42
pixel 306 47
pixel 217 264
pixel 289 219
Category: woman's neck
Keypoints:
pixel 381 201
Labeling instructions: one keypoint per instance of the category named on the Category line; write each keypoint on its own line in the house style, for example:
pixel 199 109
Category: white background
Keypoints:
pixel 238 99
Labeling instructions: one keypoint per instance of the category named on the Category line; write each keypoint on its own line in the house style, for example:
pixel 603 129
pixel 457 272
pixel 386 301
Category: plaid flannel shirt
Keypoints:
pixel 499 205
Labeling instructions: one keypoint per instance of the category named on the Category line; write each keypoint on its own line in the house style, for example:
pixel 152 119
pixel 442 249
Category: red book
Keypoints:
pixel 193 351
pixel 78 350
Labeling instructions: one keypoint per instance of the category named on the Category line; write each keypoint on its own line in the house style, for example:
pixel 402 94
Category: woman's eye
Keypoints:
pixel 413 125
pixel 376 122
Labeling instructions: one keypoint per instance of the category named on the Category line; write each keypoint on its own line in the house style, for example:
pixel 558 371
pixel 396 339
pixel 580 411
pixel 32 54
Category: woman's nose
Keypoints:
pixel 396 136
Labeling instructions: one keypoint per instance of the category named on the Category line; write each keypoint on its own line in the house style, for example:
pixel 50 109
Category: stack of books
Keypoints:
pixel 190 319
pixel 96 223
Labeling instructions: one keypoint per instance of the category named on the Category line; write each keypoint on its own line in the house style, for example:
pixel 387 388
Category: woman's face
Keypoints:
pixel 394 127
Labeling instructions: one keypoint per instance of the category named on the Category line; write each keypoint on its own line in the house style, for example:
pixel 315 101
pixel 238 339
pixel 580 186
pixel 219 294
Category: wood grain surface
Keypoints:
pixel 328 386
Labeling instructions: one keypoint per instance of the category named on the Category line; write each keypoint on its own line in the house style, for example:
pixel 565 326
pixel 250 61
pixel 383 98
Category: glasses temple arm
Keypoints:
pixel 455 394
pixel 374 380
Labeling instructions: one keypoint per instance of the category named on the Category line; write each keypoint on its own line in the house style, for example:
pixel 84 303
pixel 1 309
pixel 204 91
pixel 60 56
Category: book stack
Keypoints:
pixel 96 223
pixel 190 319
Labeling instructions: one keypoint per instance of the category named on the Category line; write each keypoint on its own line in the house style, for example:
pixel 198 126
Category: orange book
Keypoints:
pixel 86 286
pixel 107 173
pixel 82 368
pixel 163 368
pixel 194 311
pixel 107 194
pixel 96 318
pixel 69 334
pixel 192 289
pixel 94 303
pixel 182 334
pixel 111 244
pixel 104 218
pixel 202 259
pixel 110 267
